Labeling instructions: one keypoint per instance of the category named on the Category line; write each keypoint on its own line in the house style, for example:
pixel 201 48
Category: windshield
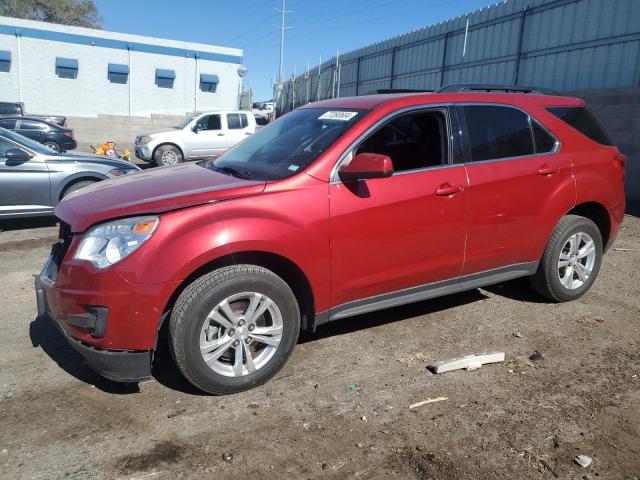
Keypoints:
pixel 27 142
pixel 287 146
pixel 185 122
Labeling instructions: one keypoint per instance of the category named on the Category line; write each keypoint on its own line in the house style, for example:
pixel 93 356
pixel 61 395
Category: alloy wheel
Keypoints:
pixel 241 334
pixel 576 261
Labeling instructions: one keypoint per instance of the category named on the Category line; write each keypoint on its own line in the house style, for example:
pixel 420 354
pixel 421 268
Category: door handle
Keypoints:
pixel 447 189
pixel 221 134
pixel 547 169
pixel 247 133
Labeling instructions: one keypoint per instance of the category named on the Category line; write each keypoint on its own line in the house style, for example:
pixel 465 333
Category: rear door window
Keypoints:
pixel 7 123
pixel 31 125
pixel 233 121
pixel 582 120
pixel 544 141
pixel 498 132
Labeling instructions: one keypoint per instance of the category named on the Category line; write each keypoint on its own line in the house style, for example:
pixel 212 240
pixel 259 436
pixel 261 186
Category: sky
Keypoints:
pixel 319 27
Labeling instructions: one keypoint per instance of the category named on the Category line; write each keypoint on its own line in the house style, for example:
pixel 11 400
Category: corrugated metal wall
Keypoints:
pixel 559 44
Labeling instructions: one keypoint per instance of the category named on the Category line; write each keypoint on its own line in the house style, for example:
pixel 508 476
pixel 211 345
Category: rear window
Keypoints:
pixel 582 120
pixel 10 109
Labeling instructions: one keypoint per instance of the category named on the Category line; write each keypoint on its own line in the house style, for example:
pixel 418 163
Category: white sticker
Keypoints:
pixel 293 168
pixel 336 115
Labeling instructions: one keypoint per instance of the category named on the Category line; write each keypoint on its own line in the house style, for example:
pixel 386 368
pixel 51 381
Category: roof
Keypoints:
pixel 369 102
pixel 115 40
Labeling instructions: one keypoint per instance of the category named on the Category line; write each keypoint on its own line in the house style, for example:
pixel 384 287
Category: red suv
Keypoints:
pixel 337 209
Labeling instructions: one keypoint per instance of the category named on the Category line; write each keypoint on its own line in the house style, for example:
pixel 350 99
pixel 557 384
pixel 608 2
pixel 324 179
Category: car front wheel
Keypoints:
pixel 234 328
pixel 167 155
pixel 571 260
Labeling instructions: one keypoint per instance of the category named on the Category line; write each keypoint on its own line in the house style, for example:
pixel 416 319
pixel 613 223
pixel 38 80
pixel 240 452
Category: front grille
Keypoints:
pixel 65 231
pixel 58 251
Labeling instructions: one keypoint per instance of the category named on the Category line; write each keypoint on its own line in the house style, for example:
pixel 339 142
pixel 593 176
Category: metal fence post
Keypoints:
pixel 357 76
pixel 444 58
pixel 393 65
pixel 523 19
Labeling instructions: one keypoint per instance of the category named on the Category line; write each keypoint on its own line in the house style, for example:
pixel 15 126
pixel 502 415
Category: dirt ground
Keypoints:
pixel 339 408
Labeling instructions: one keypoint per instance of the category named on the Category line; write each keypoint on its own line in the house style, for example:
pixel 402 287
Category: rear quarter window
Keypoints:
pixel 582 120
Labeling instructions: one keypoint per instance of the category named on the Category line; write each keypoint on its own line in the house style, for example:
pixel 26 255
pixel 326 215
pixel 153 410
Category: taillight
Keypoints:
pixel 68 133
pixel 620 162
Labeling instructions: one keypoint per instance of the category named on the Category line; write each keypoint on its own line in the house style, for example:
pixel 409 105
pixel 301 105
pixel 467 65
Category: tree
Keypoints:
pixel 80 13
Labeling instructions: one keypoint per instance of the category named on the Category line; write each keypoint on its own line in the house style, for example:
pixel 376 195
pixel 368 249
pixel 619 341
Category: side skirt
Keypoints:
pixel 427 291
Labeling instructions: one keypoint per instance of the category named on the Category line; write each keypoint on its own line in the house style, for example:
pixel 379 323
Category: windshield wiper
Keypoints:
pixel 233 171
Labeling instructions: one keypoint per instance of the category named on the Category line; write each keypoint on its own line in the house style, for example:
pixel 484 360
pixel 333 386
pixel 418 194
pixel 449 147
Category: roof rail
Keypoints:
pixel 402 90
pixel 478 87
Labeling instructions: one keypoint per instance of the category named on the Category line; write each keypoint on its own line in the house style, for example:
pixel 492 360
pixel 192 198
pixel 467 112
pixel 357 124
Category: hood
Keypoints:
pixel 91 158
pixel 152 191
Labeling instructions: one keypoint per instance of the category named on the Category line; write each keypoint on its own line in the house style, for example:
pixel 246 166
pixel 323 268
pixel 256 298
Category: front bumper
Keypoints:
pixel 120 366
pixel 144 152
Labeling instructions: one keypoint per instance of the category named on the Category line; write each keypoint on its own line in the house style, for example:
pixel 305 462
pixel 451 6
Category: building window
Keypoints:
pixel 165 78
pixel 118 73
pixel 208 83
pixel 5 61
pixel 67 67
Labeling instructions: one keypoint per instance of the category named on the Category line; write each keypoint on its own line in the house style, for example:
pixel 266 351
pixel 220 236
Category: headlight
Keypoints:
pixel 110 242
pixel 143 140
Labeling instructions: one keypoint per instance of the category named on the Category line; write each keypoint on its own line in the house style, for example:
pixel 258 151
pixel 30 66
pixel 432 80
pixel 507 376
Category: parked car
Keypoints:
pixel 339 208
pixel 34 178
pixel 203 135
pixel 13 109
pixel 53 136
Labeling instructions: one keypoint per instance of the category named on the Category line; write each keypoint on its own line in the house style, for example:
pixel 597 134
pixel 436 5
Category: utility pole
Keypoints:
pixel 283 12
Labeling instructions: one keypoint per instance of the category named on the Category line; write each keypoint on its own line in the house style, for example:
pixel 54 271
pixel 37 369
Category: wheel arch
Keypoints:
pixel 286 269
pixel 598 214
pixel 173 144
pixel 71 181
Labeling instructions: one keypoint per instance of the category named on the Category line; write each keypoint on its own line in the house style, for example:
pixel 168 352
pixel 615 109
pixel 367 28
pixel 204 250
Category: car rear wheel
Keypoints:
pixel 52 146
pixel 571 260
pixel 167 155
pixel 234 328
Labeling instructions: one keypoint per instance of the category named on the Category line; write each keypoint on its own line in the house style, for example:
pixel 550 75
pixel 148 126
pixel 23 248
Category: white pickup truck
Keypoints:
pixel 198 136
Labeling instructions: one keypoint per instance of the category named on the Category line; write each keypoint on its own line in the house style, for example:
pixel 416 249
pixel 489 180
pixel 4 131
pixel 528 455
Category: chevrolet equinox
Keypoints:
pixel 336 209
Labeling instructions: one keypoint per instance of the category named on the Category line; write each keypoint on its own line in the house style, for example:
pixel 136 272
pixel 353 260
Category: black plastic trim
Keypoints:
pixel 430 290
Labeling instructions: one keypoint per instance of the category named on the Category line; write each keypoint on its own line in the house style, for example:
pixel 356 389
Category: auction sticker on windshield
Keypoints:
pixel 337 115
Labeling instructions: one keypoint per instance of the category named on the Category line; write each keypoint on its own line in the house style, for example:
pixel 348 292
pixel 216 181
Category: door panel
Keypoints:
pixel 210 139
pixel 24 187
pixel 393 233
pixel 505 200
pixel 512 175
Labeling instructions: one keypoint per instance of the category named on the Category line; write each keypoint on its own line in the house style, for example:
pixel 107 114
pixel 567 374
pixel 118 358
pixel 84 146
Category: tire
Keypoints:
pixel 74 187
pixel 167 156
pixel 53 146
pixel 557 282
pixel 193 324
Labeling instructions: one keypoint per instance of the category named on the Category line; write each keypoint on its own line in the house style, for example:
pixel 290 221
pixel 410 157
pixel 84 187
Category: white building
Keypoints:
pixel 58 69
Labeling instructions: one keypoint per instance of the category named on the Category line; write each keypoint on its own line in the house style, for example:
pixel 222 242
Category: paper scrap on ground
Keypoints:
pixel 428 400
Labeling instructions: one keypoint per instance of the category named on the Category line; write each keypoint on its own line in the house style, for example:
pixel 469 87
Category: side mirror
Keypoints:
pixel 366 165
pixel 196 128
pixel 15 155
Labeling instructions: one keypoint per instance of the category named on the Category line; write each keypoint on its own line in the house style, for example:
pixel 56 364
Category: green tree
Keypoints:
pixel 81 13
